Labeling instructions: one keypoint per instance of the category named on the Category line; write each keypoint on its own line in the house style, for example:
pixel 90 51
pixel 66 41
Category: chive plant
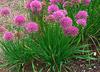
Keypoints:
pixel 53 38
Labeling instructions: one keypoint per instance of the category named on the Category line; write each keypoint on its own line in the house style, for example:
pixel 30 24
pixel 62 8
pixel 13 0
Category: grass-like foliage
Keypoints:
pixel 44 45
pixel 50 46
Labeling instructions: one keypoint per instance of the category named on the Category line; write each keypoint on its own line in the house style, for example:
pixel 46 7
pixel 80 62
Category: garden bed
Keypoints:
pixel 49 36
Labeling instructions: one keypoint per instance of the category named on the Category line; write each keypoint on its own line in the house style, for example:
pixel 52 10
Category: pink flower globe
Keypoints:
pixel 82 15
pixel 27 4
pixel 36 6
pixel 8 36
pixel 32 27
pixel 66 22
pixel 19 20
pixel 86 2
pixel 76 1
pixel 2 29
pixel 81 22
pixel 4 11
pixel 58 15
pixel 52 8
pixel 54 1
pixel 64 12
pixel 50 18
pixel 71 31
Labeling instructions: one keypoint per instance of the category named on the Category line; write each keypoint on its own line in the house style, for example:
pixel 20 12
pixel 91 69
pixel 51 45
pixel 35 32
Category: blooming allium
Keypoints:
pixel 71 30
pixel 50 18
pixel 1 1
pixel 19 20
pixel 66 22
pixel 32 27
pixel 76 1
pixel 8 36
pixel 86 2
pixel 61 1
pixel 67 3
pixel 52 8
pixel 2 29
pixel 58 14
pixel 54 1
pixel 64 12
pixel 81 22
pixel 5 11
pixel 81 15
pixel 36 6
pixel 27 4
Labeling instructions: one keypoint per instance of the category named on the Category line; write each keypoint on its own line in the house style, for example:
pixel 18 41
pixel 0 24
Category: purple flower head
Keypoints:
pixel 64 12
pixel 66 22
pixel 2 29
pixel 81 22
pixel 8 36
pixel 76 1
pixel 2 1
pixel 54 1
pixel 86 2
pixel 67 3
pixel 50 18
pixel 19 20
pixel 71 31
pixel 27 4
pixel 81 15
pixel 36 6
pixel 52 8
pixel 5 11
pixel 58 14
pixel 32 27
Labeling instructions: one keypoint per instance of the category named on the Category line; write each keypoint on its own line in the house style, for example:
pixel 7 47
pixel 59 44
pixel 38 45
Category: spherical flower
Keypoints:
pixel 8 36
pixel 81 15
pixel 71 31
pixel 67 3
pixel 19 20
pixel 58 15
pixel 27 4
pixel 86 2
pixel 81 22
pixel 5 11
pixel 50 18
pixel 61 1
pixel 54 1
pixel 66 22
pixel 64 12
pixel 36 6
pixel 32 27
pixel 52 8
pixel 76 1
pixel 2 1
pixel 2 29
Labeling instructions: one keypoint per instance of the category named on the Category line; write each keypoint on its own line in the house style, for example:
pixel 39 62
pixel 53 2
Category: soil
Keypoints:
pixel 82 66
pixel 79 66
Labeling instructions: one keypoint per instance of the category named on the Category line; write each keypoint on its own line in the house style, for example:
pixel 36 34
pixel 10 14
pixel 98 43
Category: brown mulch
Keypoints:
pixel 3 70
pixel 83 66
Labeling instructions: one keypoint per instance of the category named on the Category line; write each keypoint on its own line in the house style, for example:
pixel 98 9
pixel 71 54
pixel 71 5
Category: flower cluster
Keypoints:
pixel 72 2
pixel 34 5
pixel 60 16
pixel 81 18
pixel 55 14
pixel 4 11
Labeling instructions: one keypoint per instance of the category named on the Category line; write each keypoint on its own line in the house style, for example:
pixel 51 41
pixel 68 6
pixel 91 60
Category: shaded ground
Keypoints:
pixel 82 66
